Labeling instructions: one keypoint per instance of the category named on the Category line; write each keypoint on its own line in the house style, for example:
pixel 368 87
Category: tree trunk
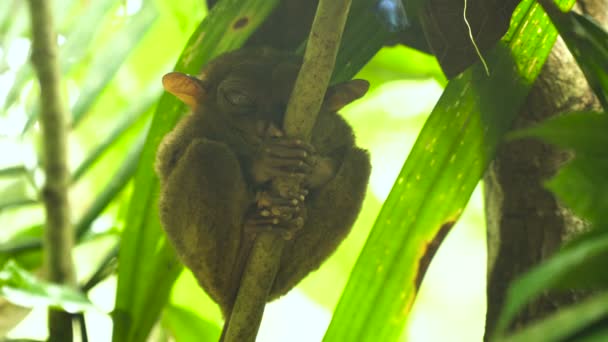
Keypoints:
pixel 525 223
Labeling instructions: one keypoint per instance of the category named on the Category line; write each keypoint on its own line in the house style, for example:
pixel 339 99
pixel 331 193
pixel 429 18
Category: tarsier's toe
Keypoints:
pixel 286 227
pixel 281 212
pixel 278 214
pixel 267 199
pixel 299 194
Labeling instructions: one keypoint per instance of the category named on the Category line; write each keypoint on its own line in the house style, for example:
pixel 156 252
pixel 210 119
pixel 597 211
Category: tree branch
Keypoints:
pixel 58 233
pixel 302 110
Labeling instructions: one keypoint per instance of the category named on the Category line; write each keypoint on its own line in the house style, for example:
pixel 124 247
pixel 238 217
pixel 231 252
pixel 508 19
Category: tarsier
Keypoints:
pixel 216 167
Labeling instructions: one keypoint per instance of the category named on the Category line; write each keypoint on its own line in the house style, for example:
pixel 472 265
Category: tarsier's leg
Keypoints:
pixel 202 206
pixel 331 213
pixel 175 143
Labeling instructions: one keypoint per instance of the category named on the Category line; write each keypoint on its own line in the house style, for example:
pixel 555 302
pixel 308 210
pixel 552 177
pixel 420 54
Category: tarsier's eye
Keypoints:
pixel 238 98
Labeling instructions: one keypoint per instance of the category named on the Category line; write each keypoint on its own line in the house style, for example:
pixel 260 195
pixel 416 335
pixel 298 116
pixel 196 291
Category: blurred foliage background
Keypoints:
pixel 113 55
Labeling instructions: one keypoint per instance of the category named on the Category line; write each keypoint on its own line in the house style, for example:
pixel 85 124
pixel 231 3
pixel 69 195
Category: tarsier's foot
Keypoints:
pixel 280 156
pixel 276 213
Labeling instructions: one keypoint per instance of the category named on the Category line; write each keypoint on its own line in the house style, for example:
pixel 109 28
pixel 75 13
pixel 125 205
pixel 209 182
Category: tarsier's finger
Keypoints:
pixel 280 166
pixel 299 194
pixel 294 144
pixel 281 211
pixel 259 228
pixel 259 220
pixel 290 228
pixel 267 200
pixel 285 152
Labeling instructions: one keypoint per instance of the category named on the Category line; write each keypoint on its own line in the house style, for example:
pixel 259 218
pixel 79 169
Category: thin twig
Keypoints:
pixel 59 237
pixel 302 110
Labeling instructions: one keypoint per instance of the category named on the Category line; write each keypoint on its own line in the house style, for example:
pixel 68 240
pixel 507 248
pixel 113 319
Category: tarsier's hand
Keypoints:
pixel 273 212
pixel 285 157
pixel 281 157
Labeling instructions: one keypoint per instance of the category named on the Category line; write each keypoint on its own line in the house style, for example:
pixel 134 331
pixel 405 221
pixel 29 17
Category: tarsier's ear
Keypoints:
pixel 341 94
pixel 187 88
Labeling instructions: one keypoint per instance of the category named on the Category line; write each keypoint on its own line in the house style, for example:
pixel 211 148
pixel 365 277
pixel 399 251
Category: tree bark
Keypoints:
pixel 525 222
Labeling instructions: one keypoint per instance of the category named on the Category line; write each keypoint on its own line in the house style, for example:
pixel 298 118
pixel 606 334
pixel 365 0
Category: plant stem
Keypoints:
pixel 302 110
pixel 59 239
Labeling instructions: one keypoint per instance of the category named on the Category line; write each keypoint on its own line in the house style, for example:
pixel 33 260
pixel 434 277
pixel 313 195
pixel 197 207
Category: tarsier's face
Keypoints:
pixel 253 97
pixel 244 93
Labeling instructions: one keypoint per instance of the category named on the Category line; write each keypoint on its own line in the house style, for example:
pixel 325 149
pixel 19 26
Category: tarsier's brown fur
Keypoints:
pixel 215 165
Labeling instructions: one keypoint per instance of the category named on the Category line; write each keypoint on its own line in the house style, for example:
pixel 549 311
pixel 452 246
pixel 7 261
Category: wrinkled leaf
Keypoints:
pixel 22 288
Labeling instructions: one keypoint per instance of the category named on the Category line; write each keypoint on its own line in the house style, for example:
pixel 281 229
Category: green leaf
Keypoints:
pixel 16 193
pixel 101 201
pixel 24 237
pixel 22 288
pixel 584 132
pixel 148 266
pixel 111 57
pixel 75 48
pixel 387 65
pixel 588 43
pixel 106 268
pixel 187 326
pixel 575 266
pixel 13 171
pixel 597 335
pixel 360 41
pixel 583 186
pixel 563 325
pixel 128 119
pixel 450 156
